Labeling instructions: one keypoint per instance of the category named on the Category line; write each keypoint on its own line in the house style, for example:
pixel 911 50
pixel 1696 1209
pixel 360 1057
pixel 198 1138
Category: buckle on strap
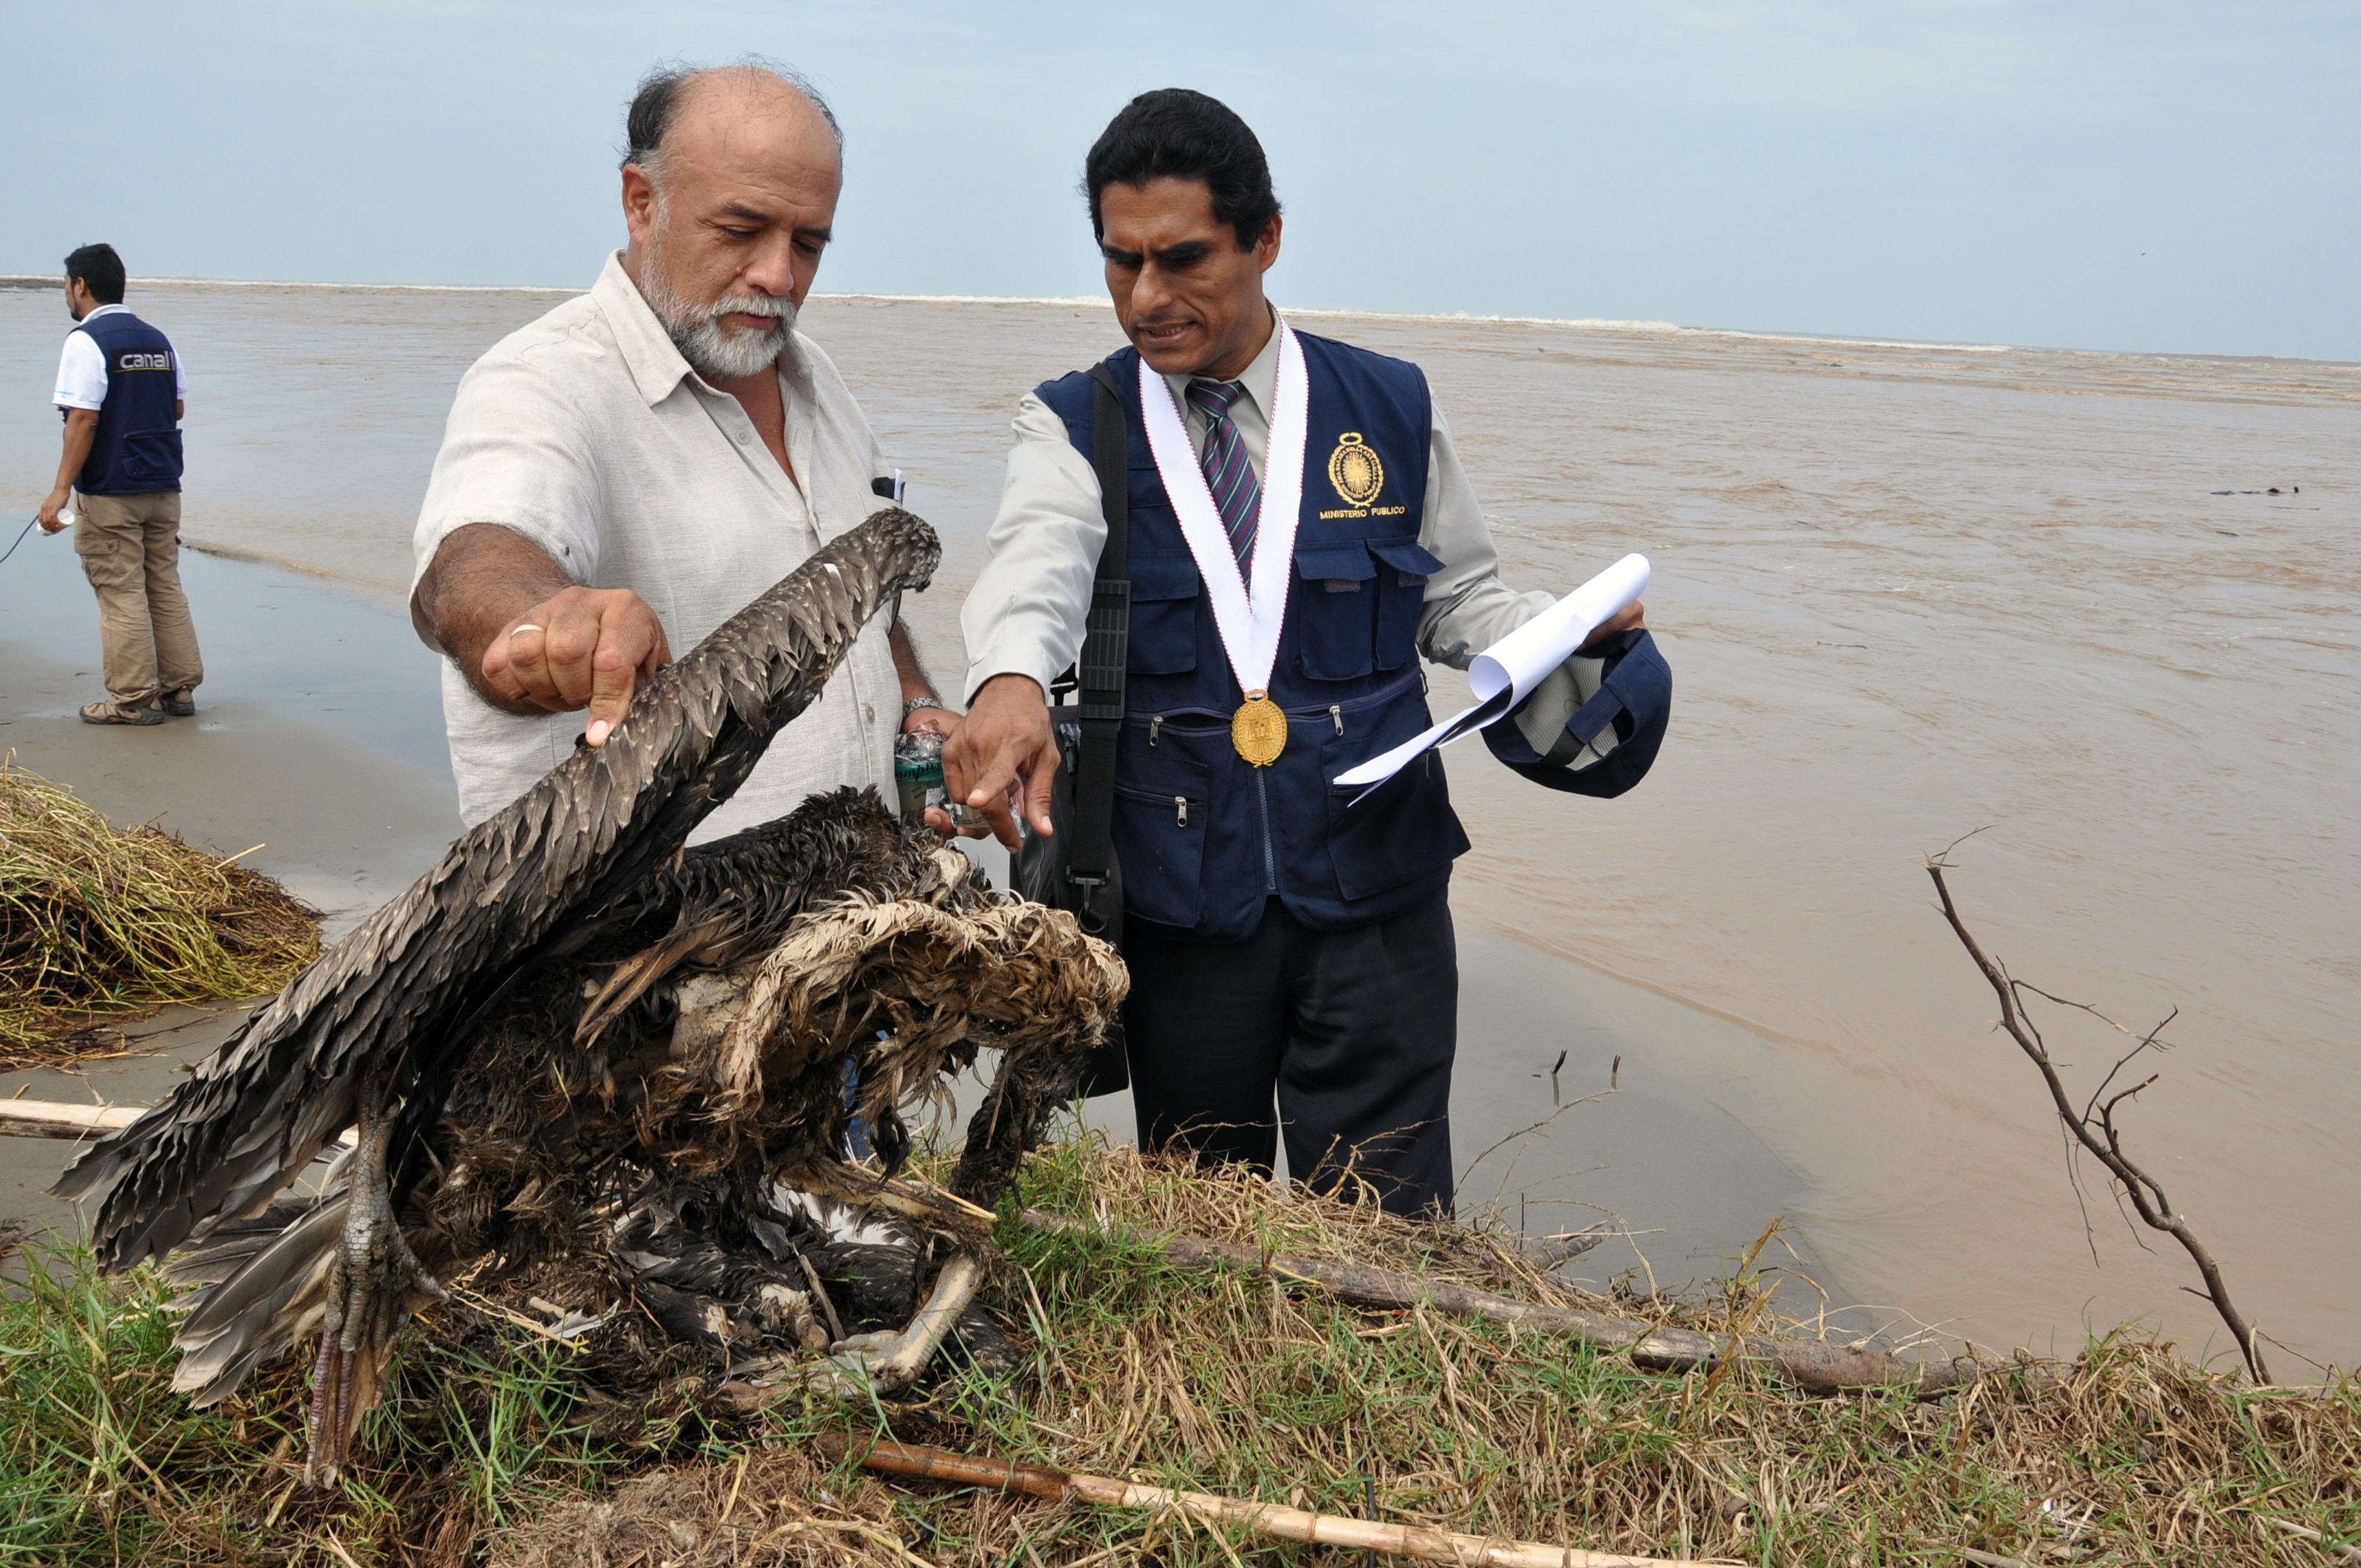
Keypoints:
pixel 1088 916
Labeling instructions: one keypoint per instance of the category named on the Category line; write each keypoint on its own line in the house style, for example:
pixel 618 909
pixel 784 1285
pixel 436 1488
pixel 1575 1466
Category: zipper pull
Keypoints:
pixel 1154 725
pixel 1336 716
pixel 1180 811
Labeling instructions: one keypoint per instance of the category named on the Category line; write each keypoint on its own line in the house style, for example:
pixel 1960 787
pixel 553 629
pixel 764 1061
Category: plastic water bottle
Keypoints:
pixel 918 773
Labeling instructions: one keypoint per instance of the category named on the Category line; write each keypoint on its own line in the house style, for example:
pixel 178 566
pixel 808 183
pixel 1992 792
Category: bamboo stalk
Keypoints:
pixel 1813 1366
pixel 55 1118
pixel 1417 1543
pixel 64 1118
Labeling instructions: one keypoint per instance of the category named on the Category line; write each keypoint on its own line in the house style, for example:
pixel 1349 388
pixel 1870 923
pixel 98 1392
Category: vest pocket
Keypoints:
pixel 1332 611
pixel 152 458
pixel 1163 614
pixel 1405 831
pixel 1405 566
pixel 1159 836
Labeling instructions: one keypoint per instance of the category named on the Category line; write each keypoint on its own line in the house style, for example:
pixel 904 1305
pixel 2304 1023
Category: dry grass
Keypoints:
pixel 499 1445
pixel 97 922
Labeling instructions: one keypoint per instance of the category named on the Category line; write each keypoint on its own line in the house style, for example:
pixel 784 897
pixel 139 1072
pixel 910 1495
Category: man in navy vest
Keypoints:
pixel 1284 942
pixel 121 392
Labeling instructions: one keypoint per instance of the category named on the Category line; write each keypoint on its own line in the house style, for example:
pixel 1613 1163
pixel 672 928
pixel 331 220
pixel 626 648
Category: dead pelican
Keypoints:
pixel 573 1034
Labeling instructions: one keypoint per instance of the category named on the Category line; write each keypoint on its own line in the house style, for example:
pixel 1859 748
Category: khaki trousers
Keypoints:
pixel 130 550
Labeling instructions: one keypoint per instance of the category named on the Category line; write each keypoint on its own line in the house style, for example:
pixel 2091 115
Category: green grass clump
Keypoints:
pixel 100 922
pixel 101 1462
pixel 91 1435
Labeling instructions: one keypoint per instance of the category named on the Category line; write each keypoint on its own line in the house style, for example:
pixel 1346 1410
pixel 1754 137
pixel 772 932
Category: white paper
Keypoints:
pixel 1506 672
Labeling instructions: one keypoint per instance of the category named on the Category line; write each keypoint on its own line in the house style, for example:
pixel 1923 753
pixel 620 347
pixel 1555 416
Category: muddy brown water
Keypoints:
pixel 1907 592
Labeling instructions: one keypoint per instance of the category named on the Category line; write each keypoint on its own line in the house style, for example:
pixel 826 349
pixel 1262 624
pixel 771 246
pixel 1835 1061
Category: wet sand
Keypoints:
pixel 154 1051
pixel 318 735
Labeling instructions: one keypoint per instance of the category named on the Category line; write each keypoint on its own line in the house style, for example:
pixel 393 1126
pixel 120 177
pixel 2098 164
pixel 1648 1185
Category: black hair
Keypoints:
pixel 649 117
pixel 1173 133
pixel 100 270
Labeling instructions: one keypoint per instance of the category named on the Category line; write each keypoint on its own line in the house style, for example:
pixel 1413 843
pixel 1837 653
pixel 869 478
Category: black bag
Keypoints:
pixel 1075 868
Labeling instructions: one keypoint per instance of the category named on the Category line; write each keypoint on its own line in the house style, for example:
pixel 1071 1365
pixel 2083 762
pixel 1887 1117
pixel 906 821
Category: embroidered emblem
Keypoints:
pixel 1355 470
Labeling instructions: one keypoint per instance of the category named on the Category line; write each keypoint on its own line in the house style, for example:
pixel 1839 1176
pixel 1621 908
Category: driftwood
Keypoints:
pixel 1546 1253
pixel 1813 1366
pixel 2093 1126
pixel 1416 1542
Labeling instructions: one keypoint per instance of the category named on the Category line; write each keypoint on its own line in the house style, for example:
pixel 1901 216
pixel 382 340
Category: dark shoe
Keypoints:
pixel 107 713
pixel 182 704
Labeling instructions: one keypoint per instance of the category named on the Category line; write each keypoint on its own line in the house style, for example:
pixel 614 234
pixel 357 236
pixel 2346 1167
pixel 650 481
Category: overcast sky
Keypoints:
pixel 2150 176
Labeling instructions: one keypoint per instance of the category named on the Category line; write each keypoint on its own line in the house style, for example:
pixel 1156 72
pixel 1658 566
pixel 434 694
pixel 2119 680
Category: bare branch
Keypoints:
pixel 2107 1111
pixel 2101 1138
pixel 2123 1060
pixel 1938 857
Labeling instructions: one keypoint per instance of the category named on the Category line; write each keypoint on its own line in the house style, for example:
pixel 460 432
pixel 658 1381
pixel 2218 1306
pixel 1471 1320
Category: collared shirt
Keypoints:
pixel 81 367
pixel 586 432
pixel 1024 614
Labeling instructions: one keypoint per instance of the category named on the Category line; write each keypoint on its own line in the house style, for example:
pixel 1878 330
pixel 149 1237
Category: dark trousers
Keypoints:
pixel 1352 1031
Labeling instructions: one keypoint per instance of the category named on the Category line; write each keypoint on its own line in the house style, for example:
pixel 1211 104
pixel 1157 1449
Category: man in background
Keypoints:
pixel 122 393
pixel 625 473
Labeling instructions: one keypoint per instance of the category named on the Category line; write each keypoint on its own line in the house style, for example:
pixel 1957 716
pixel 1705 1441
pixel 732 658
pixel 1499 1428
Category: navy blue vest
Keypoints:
pixel 137 449
pixel 1205 838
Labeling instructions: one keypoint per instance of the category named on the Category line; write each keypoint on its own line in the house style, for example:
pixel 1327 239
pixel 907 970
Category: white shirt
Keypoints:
pixel 586 432
pixel 1024 614
pixel 82 368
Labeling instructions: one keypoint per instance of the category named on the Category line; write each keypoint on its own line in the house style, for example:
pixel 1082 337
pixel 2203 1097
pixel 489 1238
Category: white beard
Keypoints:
pixel 714 351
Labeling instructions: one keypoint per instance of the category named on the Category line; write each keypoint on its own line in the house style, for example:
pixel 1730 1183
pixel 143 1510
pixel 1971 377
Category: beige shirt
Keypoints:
pixel 586 432
pixel 1024 614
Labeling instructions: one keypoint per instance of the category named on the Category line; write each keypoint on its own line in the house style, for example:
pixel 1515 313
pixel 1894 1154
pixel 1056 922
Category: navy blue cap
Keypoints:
pixel 1635 696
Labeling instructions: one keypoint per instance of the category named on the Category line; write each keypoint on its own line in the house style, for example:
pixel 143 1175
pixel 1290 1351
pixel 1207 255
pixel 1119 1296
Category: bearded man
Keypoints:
pixel 621 475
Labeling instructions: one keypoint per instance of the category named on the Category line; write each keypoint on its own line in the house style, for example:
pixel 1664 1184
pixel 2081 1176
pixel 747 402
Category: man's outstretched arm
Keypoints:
pixel 529 641
pixel 1023 623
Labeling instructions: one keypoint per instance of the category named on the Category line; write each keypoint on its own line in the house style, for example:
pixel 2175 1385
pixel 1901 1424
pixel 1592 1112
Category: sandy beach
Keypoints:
pixel 1908 593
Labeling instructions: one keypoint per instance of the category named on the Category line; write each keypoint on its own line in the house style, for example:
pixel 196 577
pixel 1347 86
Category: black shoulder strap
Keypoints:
pixel 1106 649
pixel 1110 455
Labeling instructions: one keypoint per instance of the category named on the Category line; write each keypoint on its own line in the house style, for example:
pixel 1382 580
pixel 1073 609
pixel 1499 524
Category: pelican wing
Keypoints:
pixel 379 1004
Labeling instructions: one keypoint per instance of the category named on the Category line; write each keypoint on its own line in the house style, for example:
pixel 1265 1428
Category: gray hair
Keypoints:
pixel 649 117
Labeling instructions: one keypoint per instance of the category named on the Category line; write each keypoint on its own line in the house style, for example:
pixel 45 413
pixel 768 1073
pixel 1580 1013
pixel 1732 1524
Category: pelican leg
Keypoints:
pixel 375 1283
pixel 875 1364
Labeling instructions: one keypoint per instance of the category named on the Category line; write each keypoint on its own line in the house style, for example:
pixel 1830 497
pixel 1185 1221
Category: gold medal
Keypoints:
pixel 1259 729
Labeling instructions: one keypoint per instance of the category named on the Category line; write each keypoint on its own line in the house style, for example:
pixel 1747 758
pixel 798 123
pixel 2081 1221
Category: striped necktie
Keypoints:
pixel 1237 494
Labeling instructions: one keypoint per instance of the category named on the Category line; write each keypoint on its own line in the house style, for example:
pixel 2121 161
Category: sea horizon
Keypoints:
pixel 1597 325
